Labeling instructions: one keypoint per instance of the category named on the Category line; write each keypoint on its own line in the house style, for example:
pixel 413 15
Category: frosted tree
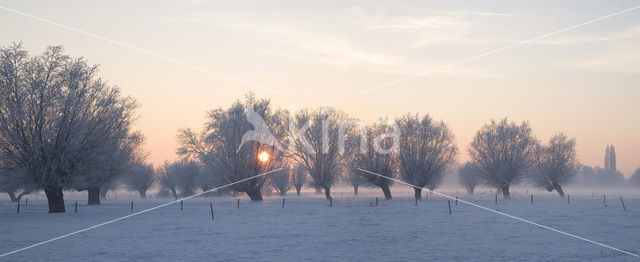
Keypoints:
pixel 322 141
pixel 635 178
pixel 221 149
pixel 56 115
pixel 469 176
pixel 427 147
pixel 379 157
pixel 555 163
pixel 110 162
pixel 280 181
pixel 355 180
pixel 504 152
pixel 169 180
pixel 298 177
pixel 140 178
pixel 14 186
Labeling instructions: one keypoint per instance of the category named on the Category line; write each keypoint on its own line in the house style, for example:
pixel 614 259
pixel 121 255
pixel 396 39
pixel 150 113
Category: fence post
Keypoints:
pixel 181 205
pixel 132 206
pixel 26 201
pixel 330 201
pixel 449 202
pixel 283 202
pixel 568 199
pixel 532 199
pixel 456 201
pixel 625 208
pixel 376 201
pixel 18 212
pixel 75 209
pixel 238 204
pixel 496 199
pixel 211 205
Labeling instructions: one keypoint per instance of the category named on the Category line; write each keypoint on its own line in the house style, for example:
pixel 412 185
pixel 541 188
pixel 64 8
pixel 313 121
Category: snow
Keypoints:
pixel 308 229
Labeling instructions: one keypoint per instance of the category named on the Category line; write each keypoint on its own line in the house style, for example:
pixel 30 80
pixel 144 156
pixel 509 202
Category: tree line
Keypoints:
pixel 62 127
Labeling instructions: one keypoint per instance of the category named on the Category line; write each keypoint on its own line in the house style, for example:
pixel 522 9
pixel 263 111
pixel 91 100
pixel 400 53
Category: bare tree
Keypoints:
pixel 221 149
pixel 298 177
pixel 426 149
pixel 503 150
pixel 280 181
pixel 140 179
pixel 56 116
pixel 469 176
pixel 555 163
pixel 379 157
pixel 321 141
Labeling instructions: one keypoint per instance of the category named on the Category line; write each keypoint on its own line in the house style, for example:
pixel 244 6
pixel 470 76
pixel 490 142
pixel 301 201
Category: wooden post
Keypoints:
pixel 181 205
pixel 449 202
pixel 376 201
pixel 456 201
pixel 131 206
pixel 283 202
pixel 26 201
pixel 75 209
pixel 496 199
pixel 18 212
pixel 211 206
pixel 238 204
pixel 625 208
pixel 532 199
pixel 604 199
pixel 568 199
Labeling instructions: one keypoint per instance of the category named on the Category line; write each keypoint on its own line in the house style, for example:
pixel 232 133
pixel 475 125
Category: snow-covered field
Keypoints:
pixel 307 229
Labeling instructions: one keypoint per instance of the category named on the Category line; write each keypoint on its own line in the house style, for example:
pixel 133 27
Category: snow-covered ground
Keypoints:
pixel 307 229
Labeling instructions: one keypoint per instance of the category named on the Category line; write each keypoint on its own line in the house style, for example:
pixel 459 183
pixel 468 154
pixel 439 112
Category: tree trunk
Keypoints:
pixel 175 194
pixel 387 192
pixel 505 192
pixel 318 191
pixel 355 190
pixel 55 199
pixel 418 193
pixel 283 193
pixel 12 196
pixel 559 190
pixel 471 189
pixel 327 192
pixel 298 190
pixel 94 196
pixel 254 194
pixel 143 194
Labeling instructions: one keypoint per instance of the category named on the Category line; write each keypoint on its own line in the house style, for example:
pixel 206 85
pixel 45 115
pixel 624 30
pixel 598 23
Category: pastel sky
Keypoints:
pixel 584 81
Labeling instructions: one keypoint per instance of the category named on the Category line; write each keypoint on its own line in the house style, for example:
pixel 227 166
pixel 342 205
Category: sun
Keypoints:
pixel 263 156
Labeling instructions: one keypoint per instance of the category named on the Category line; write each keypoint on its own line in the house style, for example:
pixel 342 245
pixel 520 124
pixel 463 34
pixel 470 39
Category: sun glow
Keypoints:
pixel 264 157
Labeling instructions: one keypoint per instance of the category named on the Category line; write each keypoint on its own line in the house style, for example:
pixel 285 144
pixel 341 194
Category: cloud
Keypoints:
pixel 341 53
pixel 618 52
